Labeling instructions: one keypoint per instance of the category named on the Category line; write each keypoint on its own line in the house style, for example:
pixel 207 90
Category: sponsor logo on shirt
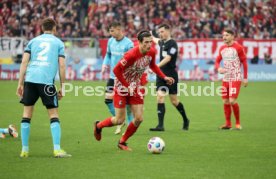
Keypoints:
pixel 36 63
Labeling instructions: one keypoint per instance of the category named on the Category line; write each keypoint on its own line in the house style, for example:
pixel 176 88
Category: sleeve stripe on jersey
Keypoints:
pixel 62 56
pixel 28 51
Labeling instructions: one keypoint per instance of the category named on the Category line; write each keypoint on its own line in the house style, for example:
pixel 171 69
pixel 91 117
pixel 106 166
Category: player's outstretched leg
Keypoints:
pixel 98 125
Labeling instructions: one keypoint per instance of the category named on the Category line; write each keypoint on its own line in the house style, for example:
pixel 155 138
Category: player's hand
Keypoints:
pixel 245 82
pixel 105 68
pixel 131 90
pixel 169 80
pixel 221 70
pixel 20 90
pixel 150 71
pixel 59 95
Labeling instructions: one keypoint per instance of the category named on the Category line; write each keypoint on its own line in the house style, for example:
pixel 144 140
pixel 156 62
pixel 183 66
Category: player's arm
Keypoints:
pixel 22 72
pixel 243 60
pixel 172 51
pixel 107 59
pixel 217 64
pixel 144 79
pixel 165 60
pixel 121 66
pixel 62 69
pixel 155 39
pixel 157 71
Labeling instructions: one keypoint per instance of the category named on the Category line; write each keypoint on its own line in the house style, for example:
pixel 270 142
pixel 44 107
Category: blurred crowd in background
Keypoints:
pixel 189 19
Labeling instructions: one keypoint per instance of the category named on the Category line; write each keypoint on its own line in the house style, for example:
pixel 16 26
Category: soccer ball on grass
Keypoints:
pixel 156 145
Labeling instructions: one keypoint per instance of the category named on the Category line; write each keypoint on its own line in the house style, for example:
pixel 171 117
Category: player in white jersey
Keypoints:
pixel 233 57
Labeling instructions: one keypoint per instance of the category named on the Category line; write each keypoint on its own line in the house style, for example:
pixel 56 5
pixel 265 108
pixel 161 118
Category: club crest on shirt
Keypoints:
pixel 120 102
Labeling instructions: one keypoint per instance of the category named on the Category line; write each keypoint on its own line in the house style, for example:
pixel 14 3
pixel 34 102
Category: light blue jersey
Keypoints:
pixel 43 65
pixel 115 51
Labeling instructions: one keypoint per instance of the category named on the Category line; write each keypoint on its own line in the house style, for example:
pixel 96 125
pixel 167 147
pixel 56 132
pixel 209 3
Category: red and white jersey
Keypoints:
pixel 131 67
pixel 233 56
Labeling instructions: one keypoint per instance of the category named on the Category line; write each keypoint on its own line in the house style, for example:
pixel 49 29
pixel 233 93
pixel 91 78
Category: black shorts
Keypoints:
pixel 109 86
pixel 162 85
pixel 47 93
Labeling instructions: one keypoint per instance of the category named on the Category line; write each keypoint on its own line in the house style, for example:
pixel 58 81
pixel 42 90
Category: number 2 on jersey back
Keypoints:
pixel 42 55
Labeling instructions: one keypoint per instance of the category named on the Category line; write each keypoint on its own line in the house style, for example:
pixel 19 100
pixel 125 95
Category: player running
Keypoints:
pixel 117 46
pixel 43 56
pixel 128 74
pixel 233 56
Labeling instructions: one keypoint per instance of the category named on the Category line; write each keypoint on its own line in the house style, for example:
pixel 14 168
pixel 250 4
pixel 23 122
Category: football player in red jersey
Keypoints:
pixel 233 57
pixel 128 74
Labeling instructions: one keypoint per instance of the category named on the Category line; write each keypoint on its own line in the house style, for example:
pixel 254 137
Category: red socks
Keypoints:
pixel 105 123
pixel 227 114
pixel 236 110
pixel 131 129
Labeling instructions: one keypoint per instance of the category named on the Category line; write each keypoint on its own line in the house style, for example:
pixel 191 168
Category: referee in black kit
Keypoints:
pixel 168 57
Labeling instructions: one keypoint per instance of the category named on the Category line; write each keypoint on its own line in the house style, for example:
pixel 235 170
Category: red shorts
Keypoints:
pixel 230 89
pixel 121 100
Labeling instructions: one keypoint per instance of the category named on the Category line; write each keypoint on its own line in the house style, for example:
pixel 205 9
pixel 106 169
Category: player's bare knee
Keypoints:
pixel 139 118
pixel 119 121
pixel 52 113
pixel 160 99
pixel 28 112
pixel 175 102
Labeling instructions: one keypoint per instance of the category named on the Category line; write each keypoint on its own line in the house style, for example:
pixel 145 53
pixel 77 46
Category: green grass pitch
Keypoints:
pixel 202 152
